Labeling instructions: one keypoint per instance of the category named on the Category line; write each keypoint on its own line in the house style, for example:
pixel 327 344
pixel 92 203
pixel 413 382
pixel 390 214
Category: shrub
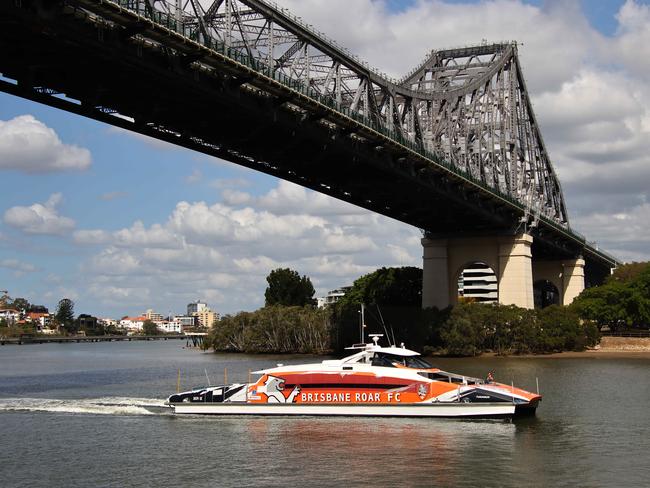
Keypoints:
pixel 275 329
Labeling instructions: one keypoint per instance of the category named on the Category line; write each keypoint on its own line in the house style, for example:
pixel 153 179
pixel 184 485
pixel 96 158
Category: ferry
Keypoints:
pixel 374 381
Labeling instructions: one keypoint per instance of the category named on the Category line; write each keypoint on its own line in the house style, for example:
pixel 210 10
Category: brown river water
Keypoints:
pixel 91 415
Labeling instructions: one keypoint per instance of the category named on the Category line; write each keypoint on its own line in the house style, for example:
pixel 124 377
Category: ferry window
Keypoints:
pixel 383 360
pixel 416 362
pixel 392 360
pixel 446 377
pixel 435 376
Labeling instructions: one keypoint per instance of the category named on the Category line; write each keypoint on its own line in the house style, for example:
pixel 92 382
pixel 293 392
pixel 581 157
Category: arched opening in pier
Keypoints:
pixel 545 293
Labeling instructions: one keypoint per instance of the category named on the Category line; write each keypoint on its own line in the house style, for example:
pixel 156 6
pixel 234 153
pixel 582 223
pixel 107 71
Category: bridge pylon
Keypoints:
pixel 522 279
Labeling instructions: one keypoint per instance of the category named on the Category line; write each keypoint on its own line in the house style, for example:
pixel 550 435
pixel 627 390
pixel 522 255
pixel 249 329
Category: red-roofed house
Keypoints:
pixel 132 323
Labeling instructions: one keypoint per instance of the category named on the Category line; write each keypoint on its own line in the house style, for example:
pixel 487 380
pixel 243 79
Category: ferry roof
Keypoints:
pixel 370 349
pixel 397 351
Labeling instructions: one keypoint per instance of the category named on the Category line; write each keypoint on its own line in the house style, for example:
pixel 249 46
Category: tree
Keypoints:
pixel 393 300
pixel 286 287
pixel 395 287
pixel 20 304
pixel 628 272
pixel 65 314
pixel 273 329
pixel 624 299
pixel 149 328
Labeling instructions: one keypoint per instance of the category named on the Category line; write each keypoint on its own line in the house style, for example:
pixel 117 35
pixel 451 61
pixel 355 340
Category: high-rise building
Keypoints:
pixel 195 307
pixel 206 318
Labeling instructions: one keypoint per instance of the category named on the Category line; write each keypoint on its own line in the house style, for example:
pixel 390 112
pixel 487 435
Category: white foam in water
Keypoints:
pixel 98 406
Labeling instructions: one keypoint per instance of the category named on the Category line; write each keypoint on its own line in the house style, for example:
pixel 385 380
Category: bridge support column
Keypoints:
pixel 516 271
pixel 573 279
pixel 435 273
pixel 509 257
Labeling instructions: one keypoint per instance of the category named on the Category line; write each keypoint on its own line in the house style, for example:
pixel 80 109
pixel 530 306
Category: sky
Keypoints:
pixel 121 223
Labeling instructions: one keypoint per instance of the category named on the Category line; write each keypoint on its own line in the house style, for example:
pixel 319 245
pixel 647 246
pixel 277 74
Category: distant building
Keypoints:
pixel 478 283
pixel 196 307
pixel 132 323
pixel 332 296
pixel 106 322
pixel 206 318
pixel 169 326
pixel 186 321
pixel 11 315
pixel 88 323
pixel 39 319
pixel 153 316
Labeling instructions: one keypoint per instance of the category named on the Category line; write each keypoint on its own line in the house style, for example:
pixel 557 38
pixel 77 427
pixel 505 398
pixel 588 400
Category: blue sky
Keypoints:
pixel 113 266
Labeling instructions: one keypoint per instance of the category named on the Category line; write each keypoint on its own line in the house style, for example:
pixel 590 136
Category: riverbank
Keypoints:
pixel 195 338
pixel 609 348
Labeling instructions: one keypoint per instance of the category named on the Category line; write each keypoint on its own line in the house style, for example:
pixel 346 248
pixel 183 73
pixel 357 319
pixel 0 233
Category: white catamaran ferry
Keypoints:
pixel 375 381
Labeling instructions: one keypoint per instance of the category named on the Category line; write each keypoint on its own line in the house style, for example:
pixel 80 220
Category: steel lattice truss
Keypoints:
pixel 468 106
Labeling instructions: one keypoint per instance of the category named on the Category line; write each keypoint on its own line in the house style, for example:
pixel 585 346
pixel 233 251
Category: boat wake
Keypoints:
pixel 97 406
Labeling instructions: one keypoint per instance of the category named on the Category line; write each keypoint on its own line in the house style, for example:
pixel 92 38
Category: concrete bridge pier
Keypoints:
pixel 513 263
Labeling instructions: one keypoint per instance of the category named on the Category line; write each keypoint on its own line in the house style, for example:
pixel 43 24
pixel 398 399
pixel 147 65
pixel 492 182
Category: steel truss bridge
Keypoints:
pixel 453 147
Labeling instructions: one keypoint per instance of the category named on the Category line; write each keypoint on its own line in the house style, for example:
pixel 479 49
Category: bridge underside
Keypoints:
pixel 109 74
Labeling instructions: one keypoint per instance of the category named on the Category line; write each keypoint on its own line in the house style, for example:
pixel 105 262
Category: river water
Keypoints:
pixel 91 415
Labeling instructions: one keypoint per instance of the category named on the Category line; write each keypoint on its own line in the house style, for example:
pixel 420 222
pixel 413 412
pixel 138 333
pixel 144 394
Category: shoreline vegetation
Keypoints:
pixel 289 323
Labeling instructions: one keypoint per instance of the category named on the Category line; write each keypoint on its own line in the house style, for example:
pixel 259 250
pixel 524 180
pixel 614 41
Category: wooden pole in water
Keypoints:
pixel 249 376
pixel 178 382
pixel 225 376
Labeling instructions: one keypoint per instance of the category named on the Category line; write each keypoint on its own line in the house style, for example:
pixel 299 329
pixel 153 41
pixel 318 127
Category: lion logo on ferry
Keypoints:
pixel 422 391
pixel 274 390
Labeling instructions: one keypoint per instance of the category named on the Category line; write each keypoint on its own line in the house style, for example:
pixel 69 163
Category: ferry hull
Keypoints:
pixel 450 410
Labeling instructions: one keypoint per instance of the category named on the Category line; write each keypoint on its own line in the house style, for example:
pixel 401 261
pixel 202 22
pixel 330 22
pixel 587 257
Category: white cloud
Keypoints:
pixel 626 234
pixel 40 218
pixel 226 251
pixel 235 197
pixel 632 43
pixel 556 38
pixel 154 237
pixel 91 237
pixel 28 145
pixel 17 266
pixel 288 197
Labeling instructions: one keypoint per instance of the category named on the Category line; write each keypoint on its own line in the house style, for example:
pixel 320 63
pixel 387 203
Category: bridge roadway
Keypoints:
pixel 105 62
